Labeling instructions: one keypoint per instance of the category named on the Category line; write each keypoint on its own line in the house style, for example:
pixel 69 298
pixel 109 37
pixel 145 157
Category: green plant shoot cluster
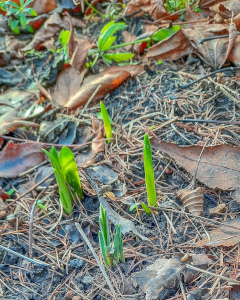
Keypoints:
pixel 111 255
pixel 149 172
pixel 18 14
pixel 106 40
pixel 66 172
pixel 107 124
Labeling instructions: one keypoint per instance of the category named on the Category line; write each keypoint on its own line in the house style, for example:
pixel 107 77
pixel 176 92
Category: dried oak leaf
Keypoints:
pixel 226 8
pixel 203 4
pixel 51 28
pixel 226 235
pixel 219 166
pixel 108 80
pixel 213 52
pixel 80 52
pixel 17 158
pixel 172 48
pixel 10 122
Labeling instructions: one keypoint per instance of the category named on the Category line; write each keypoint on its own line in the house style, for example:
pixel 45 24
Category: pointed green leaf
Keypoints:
pixel 118 57
pixel 107 124
pixel 31 12
pixel 70 171
pixel 146 209
pixel 165 33
pixel 149 173
pixel 23 19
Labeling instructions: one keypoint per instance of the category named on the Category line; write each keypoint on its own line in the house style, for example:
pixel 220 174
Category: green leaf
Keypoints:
pixel 107 124
pixel 12 11
pixel 27 3
pixel 29 28
pixel 108 43
pixel 118 57
pixel 30 11
pixel 146 209
pixel 132 207
pixel 63 189
pixel 64 37
pixel 106 34
pixel 165 33
pixel 99 115
pixel 70 172
pixel 149 173
pixel 21 2
pixel 12 4
pixel 103 221
pixel 121 252
pixel 23 19
pixel 14 26
pixel 116 246
pixel 105 253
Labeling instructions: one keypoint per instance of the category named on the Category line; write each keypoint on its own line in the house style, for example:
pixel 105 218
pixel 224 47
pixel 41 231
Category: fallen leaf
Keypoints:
pixel 80 52
pixel 108 80
pixel 226 8
pixel 171 48
pixel 68 82
pixel 10 122
pixel 204 4
pixel 219 166
pixel 218 209
pixel 17 158
pixel 155 8
pixel 223 235
pixel 213 52
pixel 51 28
pixel 43 6
pixel 192 200
pixel 97 143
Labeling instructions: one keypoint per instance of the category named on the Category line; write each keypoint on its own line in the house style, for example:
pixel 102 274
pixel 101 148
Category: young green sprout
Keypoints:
pixel 66 172
pixel 149 173
pixel 107 124
pixel 111 255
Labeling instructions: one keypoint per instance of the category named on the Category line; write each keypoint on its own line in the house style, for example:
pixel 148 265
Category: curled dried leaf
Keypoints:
pixel 192 200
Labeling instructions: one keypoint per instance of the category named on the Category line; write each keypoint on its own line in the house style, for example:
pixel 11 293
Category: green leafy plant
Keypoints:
pixel 111 255
pixel 107 123
pixel 66 172
pixel 63 39
pixel 107 38
pixel 175 5
pixel 18 14
pixel 41 206
pixel 149 173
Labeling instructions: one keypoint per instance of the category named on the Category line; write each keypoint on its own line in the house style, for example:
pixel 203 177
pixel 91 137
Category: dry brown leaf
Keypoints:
pixel 226 8
pixel 203 4
pixel 68 83
pixel 97 143
pixel 155 8
pixel 218 209
pixel 17 158
pixel 223 235
pixel 172 48
pixel 51 28
pixel 78 60
pixel 43 6
pixel 219 166
pixel 108 80
pixel 10 122
pixel 234 55
pixel 213 52
pixel 192 200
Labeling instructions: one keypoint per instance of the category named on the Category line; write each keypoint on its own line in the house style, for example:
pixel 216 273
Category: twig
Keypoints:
pixel 213 274
pixel 215 37
pixel 232 69
pixel 97 259
pixel 36 262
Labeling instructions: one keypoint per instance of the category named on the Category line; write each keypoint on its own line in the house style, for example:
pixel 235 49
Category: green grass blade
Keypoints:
pixel 149 173
pixel 105 254
pixel 107 124
pixel 121 252
pixel 116 248
pixel 103 221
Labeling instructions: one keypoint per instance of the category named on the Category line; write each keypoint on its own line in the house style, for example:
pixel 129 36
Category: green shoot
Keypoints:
pixel 111 255
pixel 107 124
pixel 63 39
pixel 104 237
pixel 65 170
pixel 41 206
pixel 149 173
pixel 18 14
pixel 144 206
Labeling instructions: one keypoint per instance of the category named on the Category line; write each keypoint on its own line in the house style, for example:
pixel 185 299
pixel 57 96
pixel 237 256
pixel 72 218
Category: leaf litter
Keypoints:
pixel 49 100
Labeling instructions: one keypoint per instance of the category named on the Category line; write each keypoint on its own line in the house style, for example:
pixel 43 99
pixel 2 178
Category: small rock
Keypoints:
pixel 76 263
pixel 87 279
